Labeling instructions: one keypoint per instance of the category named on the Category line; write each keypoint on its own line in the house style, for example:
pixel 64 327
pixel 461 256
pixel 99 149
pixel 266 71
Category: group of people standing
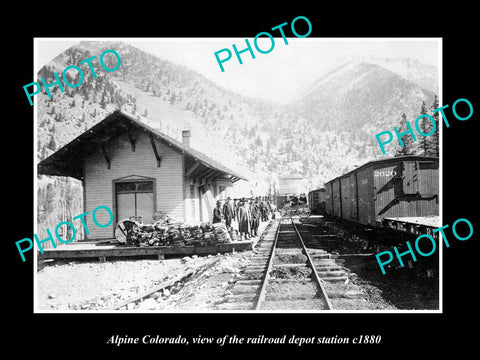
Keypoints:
pixel 242 217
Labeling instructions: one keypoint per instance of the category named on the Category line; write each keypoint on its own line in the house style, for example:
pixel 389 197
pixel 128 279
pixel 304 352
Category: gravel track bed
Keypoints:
pixel 93 285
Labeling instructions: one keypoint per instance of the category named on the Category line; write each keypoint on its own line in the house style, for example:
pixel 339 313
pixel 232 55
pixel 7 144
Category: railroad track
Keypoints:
pixel 291 281
pixel 291 272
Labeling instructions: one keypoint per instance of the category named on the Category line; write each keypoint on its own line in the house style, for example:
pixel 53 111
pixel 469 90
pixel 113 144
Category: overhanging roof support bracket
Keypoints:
pixel 155 151
pixel 192 169
pixel 130 137
pixel 105 155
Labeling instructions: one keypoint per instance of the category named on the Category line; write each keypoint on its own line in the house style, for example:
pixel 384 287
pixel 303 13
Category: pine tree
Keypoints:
pixel 103 103
pixel 44 152
pixel 425 127
pixel 49 202
pixel 407 140
pixel 172 98
pixel 436 135
pixel 52 144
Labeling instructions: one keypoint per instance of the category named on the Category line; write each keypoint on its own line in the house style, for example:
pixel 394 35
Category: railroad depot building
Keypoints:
pixel 136 170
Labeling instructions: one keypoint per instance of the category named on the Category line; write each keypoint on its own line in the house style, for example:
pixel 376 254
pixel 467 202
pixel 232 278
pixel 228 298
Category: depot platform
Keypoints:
pixel 105 249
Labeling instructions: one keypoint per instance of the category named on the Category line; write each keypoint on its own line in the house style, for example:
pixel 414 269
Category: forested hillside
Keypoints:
pixel 324 132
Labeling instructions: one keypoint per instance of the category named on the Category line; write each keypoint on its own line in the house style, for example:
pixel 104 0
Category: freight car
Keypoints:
pixel 316 201
pixel 396 188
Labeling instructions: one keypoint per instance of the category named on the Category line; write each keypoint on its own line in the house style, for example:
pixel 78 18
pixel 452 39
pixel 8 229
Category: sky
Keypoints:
pixel 277 75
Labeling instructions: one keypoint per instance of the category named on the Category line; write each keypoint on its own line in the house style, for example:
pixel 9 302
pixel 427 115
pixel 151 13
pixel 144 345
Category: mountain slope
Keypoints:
pixel 326 131
pixel 425 76
pixel 361 99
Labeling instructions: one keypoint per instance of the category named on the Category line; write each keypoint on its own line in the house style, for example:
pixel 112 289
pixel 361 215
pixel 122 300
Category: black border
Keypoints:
pixel 406 334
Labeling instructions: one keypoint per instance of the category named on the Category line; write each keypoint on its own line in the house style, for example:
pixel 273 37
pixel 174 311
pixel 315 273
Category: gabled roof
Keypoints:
pixel 62 162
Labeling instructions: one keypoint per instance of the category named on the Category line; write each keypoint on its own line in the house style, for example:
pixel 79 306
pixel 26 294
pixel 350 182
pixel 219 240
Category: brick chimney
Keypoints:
pixel 186 137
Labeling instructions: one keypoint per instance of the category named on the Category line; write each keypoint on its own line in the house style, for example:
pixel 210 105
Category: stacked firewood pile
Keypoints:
pixel 168 232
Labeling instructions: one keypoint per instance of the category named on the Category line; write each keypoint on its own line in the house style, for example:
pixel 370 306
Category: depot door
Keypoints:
pixel 135 198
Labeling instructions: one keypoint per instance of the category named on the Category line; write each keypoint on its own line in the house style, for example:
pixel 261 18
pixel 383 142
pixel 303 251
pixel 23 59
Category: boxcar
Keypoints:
pixel 405 186
pixel 316 201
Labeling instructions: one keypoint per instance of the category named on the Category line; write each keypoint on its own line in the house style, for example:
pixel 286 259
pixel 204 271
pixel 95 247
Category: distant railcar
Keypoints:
pixel 282 200
pixel 405 186
pixel 316 201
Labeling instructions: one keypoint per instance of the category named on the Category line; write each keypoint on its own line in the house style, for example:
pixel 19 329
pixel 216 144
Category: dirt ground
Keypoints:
pixel 93 285
pixel 414 287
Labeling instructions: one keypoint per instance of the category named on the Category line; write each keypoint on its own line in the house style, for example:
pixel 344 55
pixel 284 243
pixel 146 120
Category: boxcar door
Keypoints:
pixel 353 197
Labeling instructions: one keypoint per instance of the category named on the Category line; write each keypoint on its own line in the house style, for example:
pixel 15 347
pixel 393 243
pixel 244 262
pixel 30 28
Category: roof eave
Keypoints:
pixel 50 166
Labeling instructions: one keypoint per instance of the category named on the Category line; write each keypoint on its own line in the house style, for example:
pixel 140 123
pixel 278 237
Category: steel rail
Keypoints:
pixel 261 295
pixel 314 270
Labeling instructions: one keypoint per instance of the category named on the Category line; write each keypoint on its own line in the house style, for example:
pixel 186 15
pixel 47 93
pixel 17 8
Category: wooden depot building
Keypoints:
pixel 136 170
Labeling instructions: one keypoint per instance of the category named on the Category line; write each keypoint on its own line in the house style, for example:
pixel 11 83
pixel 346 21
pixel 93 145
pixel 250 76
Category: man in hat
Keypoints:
pixel 236 205
pixel 243 216
pixel 263 211
pixel 228 213
pixel 255 217
pixel 217 213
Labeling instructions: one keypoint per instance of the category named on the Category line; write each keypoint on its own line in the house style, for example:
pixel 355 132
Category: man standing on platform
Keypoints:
pixel 243 216
pixel 228 213
pixel 263 210
pixel 217 213
pixel 255 221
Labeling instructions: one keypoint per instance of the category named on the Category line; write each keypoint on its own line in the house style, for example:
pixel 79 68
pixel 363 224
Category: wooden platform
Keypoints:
pixel 105 250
